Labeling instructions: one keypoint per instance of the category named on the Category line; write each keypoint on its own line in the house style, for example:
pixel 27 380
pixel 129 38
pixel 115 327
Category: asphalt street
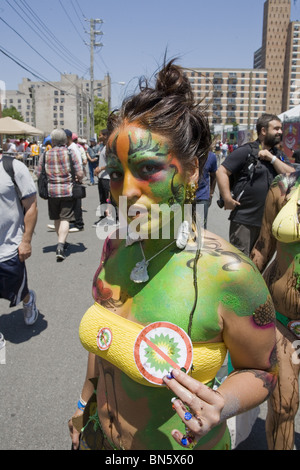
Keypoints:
pixel 42 377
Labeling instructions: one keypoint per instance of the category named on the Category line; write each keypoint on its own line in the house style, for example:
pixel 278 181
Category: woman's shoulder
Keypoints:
pixel 227 258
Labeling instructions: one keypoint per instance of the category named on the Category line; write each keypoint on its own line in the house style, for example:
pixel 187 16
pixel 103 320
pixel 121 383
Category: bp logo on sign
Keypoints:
pixel 161 347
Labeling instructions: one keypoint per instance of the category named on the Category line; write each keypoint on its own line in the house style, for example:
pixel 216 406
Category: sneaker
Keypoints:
pixel 76 229
pixel 30 311
pixel 51 227
pixel 60 254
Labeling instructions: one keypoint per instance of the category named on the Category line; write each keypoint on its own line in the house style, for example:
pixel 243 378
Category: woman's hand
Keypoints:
pixel 75 435
pixel 198 406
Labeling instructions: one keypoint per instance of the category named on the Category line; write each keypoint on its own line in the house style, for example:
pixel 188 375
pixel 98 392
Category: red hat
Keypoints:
pixel 74 136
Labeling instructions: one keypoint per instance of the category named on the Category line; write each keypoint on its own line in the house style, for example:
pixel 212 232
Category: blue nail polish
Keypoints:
pixel 184 441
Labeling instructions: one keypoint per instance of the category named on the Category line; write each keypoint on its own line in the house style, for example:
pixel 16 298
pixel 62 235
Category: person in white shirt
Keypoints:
pixel 78 222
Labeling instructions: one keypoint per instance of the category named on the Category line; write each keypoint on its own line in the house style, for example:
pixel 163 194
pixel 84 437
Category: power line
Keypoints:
pixel 32 71
pixel 71 22
pixel 83 27
pixel 37 52
pixel 42 36
pixel 50 33
pixel 80 9
pixel 46 60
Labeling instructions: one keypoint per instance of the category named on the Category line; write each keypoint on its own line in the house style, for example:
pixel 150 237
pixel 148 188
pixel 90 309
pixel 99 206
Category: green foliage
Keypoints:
pixel 13 113
pixel 100 114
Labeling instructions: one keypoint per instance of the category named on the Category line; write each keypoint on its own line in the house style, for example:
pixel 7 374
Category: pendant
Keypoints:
pixel 139 273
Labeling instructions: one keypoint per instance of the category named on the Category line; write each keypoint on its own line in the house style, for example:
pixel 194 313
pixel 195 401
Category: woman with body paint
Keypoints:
pixel 280 236
pixel 169 304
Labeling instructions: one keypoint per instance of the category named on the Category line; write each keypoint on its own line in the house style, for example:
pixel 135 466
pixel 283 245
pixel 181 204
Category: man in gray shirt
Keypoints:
pixel 18 216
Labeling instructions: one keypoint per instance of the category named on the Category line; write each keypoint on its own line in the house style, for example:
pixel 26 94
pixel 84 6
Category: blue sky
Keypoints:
pixel 49 37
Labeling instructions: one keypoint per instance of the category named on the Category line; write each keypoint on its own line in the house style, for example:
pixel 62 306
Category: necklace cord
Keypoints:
pixel 195 282
pixel 156 254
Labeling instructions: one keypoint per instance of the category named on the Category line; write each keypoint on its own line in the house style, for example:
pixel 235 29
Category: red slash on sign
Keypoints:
pixel 104 339
pixel 161 347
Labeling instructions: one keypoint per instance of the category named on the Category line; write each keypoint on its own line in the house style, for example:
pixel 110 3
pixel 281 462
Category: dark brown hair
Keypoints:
pixel 169 109
pixel 264 120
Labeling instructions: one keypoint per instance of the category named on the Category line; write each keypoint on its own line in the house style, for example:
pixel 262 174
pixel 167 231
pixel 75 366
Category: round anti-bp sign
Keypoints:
pixel 161 347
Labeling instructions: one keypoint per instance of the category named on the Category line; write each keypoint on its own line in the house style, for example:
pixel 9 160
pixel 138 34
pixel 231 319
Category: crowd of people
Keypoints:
pixel 185 299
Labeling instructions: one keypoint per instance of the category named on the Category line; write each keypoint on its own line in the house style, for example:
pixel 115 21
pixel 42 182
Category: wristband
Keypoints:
pixel 273 160
pixel 81 404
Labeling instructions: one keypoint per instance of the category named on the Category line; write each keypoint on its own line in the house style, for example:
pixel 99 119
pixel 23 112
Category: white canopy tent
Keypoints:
pixel 290 114
pixel 10 126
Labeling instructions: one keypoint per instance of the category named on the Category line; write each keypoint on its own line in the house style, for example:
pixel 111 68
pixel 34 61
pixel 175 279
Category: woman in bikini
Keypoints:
pixel 280 236
pixel 168 303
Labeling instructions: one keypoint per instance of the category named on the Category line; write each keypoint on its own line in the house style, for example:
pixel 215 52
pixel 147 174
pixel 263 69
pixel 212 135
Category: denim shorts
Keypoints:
pixel 13 281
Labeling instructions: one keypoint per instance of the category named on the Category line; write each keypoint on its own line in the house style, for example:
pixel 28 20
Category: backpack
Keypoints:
pixel 247 173
pixel 239 181
pixel 7 162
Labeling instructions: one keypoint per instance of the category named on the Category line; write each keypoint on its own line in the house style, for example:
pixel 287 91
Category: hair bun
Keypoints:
pixel 172 81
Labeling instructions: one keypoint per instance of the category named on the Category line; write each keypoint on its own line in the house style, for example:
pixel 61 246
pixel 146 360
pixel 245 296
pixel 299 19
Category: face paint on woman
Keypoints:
pixel 142 168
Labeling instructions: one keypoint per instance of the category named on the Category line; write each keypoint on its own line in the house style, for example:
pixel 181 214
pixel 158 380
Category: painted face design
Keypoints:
pixel 142 168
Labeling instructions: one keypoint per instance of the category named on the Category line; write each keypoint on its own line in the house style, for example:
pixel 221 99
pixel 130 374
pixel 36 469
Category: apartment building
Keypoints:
pixel 232 96
pixel 237 96
pixel 291 83
pixel 65 104
pixel 274 50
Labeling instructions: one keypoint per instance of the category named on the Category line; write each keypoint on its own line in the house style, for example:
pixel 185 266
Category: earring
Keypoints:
pixel 183 235
pixel 190 193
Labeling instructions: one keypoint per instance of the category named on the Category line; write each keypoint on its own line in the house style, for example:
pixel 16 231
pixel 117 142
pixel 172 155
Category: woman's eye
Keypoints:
pixel 149 169
pixel 114 174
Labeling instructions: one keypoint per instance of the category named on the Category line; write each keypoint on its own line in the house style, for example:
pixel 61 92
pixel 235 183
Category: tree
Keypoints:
pixel 100 115
pixel 13 113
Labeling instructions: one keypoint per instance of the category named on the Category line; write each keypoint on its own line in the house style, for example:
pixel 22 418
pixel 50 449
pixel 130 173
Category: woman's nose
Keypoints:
pixel 131 187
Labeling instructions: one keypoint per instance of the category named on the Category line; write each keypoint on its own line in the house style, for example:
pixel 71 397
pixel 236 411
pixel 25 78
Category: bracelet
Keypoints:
pixel 81 404
pixel 273 160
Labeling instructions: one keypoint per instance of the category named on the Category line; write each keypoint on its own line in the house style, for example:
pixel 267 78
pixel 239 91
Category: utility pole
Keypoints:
pixel 93 44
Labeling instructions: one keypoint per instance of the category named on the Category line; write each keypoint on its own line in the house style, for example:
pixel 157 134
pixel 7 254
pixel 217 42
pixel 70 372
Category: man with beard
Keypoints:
pixel 244 179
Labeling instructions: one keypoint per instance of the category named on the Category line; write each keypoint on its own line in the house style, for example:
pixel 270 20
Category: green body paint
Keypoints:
pixel 142 168
pixel 216 286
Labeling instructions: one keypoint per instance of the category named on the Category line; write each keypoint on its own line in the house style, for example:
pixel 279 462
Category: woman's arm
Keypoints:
pixel 254 377
pixel 247 320
pixel 265 245
pixel 86 393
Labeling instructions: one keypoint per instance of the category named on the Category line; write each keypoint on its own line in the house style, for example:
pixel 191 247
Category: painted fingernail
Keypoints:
pixel 188 416
pixel 170 376
pixel 184 441
pixel 174 373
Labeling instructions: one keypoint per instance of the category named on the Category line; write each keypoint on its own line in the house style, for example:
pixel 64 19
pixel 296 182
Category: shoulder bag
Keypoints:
pixel 78 191
pixel 42 182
